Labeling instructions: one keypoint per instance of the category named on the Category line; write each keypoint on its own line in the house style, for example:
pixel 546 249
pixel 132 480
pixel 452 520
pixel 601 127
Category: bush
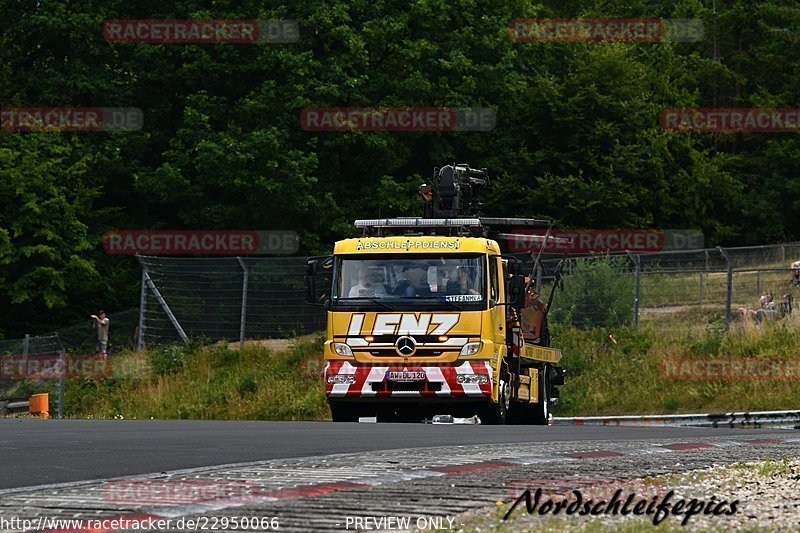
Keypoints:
pixel 597 293
pixel 167 360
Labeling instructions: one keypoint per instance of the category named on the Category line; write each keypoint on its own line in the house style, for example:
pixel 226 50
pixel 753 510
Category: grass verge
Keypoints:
pixel 206 382
pixel 605 376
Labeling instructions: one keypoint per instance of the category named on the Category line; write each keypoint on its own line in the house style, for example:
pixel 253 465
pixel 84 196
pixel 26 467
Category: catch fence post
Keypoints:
pixel 26 343
pixel 729 292
pixel 701 287
pixel 142 306
pixel 62 377
pixel 636 285
pixel 242 320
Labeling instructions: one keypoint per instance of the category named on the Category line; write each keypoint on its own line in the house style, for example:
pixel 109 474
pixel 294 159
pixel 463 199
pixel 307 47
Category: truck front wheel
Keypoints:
pixel 496 413
pixel 343 412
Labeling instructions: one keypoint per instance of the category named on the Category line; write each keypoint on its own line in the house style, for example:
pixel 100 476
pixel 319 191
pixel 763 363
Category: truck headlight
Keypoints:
pixel 478 379
pixel 471 348
pixel 342 379
pixel 342 349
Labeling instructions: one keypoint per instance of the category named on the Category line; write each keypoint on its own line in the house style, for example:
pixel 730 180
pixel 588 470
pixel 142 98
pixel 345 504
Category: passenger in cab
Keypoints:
pixel 366 287
pixel 414 282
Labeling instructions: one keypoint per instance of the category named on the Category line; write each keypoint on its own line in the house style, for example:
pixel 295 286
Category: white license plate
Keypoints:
pixel 405 375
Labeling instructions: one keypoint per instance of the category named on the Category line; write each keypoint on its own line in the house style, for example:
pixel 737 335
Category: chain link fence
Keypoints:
pixel 231 298
pixel 30 366
pixel 235 299
pixel 692 291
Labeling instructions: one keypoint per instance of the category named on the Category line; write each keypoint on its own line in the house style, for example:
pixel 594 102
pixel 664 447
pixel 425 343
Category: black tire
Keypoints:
pixel 406 414
pixel 541 411
pixel 385 413
pixel 343 412
pixel 494 414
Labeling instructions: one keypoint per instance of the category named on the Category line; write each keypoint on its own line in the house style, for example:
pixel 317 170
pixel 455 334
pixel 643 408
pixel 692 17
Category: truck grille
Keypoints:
pixel 421 352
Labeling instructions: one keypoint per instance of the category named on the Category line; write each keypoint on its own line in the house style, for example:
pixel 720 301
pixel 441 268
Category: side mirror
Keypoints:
pixel 311 288
pixel 516 291
pixel 312 265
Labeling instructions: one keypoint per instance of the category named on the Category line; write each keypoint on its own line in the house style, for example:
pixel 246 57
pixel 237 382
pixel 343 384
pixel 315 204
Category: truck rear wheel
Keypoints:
pixel 343 412
pixel 541 411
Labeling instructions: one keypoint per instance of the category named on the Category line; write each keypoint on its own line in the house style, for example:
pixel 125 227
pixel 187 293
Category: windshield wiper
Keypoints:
pixel 439 299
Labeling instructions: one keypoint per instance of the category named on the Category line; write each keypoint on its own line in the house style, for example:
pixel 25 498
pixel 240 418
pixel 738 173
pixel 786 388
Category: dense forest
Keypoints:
pixel 577 136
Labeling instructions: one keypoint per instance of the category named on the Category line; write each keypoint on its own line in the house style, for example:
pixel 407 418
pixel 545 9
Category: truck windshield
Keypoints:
pixel 451 278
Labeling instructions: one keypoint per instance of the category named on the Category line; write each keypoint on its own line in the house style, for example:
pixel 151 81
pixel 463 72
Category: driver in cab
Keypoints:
pixel 462 284
pixel 366 287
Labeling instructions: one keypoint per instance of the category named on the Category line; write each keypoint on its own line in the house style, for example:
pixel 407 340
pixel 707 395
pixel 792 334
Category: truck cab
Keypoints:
pixel 426 324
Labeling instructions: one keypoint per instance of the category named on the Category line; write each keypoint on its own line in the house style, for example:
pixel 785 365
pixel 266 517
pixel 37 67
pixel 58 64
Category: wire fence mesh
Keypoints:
pixel 225 299
pixel 695 290
pixel 31 366
pixel 81 338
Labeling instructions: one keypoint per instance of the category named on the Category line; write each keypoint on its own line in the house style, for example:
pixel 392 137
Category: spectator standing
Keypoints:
pixel 101 322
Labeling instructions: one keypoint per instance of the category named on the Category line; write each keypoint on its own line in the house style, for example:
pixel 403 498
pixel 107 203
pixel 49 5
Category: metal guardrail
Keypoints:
pixel 8 407
pixel 754 419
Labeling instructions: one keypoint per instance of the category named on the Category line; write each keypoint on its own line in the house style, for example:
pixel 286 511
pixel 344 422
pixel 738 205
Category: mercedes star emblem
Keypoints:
pixel 406 346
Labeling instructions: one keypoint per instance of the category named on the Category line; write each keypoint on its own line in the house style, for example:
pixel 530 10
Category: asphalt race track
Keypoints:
pixel 37 452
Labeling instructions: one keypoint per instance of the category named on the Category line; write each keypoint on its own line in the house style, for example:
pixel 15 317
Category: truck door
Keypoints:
pixel 496 296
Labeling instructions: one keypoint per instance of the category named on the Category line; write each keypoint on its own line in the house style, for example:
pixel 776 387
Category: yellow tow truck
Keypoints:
pixel 427 316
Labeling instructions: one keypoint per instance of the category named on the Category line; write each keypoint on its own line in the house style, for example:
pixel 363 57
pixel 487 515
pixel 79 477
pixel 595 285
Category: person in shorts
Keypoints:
pixel 101 322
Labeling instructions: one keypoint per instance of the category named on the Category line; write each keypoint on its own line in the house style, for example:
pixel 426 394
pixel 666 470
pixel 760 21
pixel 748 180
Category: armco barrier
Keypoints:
pixel 737 420
pixel 8 407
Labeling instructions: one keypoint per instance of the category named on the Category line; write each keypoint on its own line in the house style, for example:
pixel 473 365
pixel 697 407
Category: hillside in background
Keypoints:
pixel 577 136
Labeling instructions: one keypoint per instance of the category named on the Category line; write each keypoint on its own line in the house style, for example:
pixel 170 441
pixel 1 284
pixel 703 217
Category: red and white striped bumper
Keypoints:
pixel 461 380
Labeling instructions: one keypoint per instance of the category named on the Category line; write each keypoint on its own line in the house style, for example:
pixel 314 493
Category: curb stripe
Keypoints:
pixel 312 490
pixel 471 467
pixel 595 455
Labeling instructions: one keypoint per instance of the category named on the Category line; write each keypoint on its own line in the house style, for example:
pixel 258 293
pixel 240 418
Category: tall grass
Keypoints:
pixel 605 376
pixel 206 382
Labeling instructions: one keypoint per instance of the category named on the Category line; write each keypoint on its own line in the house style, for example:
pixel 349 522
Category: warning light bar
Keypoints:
pixel 529 238
pixel 417 222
